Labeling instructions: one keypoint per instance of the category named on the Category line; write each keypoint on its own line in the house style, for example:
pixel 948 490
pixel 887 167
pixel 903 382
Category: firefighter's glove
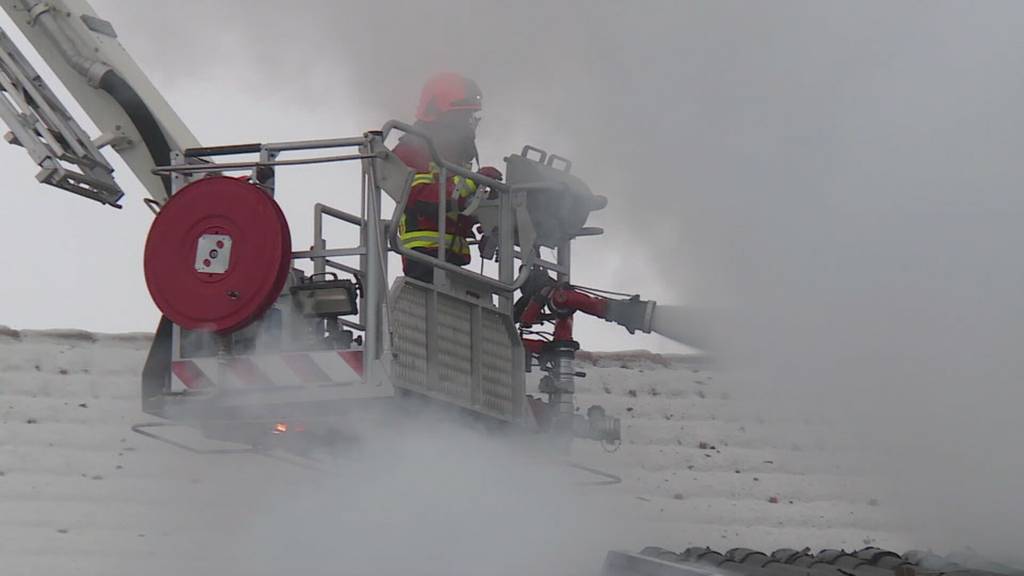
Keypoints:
pixel 491 172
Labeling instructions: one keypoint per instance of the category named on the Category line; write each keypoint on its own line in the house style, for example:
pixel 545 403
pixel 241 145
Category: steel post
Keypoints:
pixel 506 247
pixel 374 282
pixel 564 261
pixel 442 223
pixel 319 264
pixel 264 174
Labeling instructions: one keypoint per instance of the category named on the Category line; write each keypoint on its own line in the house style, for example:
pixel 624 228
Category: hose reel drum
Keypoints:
pixel 217 255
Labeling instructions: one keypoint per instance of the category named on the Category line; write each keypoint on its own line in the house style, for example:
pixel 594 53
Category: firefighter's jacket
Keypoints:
pixel 418 226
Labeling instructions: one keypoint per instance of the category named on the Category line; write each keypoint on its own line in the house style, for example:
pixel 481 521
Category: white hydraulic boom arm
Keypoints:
pixel 83 51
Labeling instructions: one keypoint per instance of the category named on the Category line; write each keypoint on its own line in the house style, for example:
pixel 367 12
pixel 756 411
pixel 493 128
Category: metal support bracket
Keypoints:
pixel 39 123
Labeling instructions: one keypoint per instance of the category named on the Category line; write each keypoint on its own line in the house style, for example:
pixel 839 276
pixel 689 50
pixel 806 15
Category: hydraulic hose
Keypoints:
pixel 152 135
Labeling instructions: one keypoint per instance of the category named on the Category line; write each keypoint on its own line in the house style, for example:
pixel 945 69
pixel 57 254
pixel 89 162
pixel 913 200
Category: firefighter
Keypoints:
pixel 449 111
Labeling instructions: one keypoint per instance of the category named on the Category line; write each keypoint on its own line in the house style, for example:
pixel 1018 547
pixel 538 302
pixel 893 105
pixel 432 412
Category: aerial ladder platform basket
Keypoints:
pixel 255 333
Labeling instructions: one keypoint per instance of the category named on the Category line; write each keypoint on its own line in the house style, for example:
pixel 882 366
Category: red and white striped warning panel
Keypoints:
pixel 332 367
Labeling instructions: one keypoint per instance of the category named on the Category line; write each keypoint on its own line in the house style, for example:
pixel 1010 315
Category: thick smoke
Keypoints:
pixel 434 498
pixel 842 177
pixel 404 489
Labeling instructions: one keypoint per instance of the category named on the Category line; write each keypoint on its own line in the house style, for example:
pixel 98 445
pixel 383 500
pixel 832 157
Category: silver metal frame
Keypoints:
pixel 372 269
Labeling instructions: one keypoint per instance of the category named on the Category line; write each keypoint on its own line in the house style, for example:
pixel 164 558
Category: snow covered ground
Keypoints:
pixel 81 494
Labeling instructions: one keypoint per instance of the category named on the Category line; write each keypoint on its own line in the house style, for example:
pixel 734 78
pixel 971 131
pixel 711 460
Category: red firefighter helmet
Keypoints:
pixel 445 92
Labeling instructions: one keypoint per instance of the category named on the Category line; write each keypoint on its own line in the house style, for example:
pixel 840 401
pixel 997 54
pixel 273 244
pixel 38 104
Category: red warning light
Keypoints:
pixel 280 428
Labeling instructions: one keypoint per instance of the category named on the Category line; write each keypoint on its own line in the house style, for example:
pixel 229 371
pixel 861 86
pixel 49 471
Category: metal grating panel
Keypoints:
pixel 454 342
pixel 409 368
pixel 499 391
pixel 501 387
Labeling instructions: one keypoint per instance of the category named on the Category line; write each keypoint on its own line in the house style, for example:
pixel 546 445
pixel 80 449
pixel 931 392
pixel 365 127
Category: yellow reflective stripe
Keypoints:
pixel 464 186
pixel 420 244
pixel 430 244
pixel 422 178
pixel 428 239
pixel 421 234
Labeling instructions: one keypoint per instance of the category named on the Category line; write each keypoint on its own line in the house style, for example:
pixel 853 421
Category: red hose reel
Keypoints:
pixel 217 255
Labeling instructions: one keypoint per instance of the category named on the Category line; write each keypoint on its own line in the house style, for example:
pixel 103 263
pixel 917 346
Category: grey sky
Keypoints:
pixel 844 177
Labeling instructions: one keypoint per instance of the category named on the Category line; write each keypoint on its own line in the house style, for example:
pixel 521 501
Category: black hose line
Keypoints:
pixel 152 135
